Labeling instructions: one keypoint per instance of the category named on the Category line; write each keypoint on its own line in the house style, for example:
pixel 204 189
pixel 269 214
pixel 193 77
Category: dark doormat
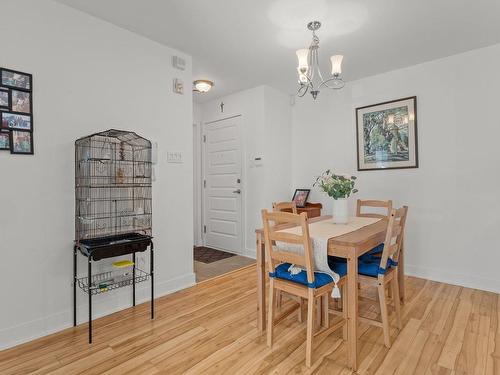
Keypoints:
pixel 208 255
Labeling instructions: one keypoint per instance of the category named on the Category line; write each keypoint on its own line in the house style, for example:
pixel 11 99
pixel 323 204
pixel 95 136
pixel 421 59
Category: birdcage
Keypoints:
pixel 113 174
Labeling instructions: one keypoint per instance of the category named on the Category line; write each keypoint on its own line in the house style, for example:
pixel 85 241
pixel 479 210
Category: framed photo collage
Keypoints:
pixel 16 112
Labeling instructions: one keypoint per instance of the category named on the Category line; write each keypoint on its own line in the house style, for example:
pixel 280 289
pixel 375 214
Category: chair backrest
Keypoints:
pixel 281 206
pixel 386 205
pixel 394 236
pixel 276 221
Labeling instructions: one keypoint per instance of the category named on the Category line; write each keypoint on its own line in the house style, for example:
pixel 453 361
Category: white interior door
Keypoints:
pixel 222 185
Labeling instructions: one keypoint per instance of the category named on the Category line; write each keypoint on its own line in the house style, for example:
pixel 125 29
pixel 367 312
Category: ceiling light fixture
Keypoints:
pixel 310 77
pixel 202 85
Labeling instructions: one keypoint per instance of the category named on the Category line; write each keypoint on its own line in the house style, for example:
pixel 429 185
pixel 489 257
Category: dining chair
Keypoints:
pixel 287 207
pixel 306 284
pixel 282 206
pixel 386 207
pixel 382 272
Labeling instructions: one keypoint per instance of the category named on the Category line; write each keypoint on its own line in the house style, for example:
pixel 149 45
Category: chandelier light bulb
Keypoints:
pixel 302 55
pixel 336 64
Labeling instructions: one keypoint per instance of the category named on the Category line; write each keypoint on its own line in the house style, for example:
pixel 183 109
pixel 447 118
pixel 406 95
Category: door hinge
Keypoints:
pixel 204 183
pixel 204 139
pixel 204 229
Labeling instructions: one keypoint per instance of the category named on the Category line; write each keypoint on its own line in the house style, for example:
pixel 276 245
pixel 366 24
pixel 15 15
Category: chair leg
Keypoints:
pixel 397 301
pixel 384 314
pixel 325 321
pixel 279 298
pixel 343 294
pixel 270 317
pixel 389 293
pixel 300 316
pixel 317 320
pixel 310 326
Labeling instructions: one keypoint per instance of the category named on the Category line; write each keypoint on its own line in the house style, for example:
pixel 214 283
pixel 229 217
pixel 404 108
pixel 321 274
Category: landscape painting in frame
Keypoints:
pixel 387 135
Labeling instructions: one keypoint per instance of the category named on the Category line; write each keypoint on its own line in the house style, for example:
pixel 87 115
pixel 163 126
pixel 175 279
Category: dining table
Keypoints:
pixel 349 246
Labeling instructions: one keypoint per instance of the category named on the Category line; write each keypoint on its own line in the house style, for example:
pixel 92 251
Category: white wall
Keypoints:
pixel 88 76
pixel 266 133
pixel 453 197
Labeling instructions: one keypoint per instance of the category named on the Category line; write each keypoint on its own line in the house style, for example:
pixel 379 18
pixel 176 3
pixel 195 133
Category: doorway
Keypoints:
pixel 222 187
pixel 221 199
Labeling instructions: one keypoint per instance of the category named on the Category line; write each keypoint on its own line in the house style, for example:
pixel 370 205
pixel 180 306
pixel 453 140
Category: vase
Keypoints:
pixel 340 211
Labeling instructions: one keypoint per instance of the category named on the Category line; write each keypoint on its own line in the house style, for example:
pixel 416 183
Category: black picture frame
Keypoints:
pixel 5 91
pixel 11 102
pixel 301 204
pixel 13 150
pixel 5 134
pixel 5 83
pixel 6 113
pixel 412 129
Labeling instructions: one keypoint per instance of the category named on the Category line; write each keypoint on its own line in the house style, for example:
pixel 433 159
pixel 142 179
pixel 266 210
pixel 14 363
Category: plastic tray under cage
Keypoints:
pixel 113 175
pixel 113 246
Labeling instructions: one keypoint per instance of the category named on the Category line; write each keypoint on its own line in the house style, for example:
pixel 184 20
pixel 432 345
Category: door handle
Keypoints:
pixel 237 191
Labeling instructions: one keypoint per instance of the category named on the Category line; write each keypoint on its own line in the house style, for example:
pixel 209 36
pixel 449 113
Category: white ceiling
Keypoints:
pixel 244 43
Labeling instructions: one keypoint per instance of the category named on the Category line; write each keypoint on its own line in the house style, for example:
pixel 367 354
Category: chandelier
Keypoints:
pixel 310 77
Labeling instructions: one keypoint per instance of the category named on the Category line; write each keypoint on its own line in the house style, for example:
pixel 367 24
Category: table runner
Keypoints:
pixel 320 232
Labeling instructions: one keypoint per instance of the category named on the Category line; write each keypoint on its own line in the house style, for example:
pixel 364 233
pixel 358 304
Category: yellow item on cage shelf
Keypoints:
pixel 123 264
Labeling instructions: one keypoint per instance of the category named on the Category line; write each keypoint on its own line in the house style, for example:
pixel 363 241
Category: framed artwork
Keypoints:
pixel 16 121
pixel 386 135
pixel 15 79
pixel 20 101
pixel 21 142
pixel 300 197
pixel 4 98
pixel 4 140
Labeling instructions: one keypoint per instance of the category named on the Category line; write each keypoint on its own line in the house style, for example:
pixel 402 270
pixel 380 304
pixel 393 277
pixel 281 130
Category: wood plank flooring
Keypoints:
pixel 211 329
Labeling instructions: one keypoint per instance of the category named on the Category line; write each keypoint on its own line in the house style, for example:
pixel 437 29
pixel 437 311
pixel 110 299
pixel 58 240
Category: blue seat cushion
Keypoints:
pixel 376 250
pixel 366 266
pixel 320 278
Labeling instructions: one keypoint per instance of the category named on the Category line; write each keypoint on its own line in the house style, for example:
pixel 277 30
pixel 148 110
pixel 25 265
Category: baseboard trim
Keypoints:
pixel 22 333
pixel 250 253
pixel 453 278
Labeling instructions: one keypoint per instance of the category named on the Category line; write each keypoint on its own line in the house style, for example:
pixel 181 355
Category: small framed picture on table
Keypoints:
pixel 300 197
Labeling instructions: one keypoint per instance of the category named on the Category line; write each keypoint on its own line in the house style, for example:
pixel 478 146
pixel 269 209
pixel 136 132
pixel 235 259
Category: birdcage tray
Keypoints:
pixel 112 246
pixel 104 282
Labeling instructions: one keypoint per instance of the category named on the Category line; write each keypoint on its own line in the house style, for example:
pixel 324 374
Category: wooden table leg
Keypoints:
pixel 401 274
pixel 352 312
pixel 261 285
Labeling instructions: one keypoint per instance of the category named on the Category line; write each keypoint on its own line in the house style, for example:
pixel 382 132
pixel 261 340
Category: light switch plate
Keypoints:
pixel 174 157
pixel 178 86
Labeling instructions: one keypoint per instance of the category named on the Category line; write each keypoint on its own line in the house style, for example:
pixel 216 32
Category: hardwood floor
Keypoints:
pixel 211 329
pixel 205 271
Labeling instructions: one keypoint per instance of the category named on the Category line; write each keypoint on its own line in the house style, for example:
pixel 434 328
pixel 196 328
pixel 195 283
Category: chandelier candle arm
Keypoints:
pixel 310 77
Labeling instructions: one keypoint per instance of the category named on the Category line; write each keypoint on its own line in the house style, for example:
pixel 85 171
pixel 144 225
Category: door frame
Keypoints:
pixel 243 184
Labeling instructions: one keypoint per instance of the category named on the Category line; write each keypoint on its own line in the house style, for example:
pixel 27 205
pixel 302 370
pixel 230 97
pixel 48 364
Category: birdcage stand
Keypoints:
pixel 90 283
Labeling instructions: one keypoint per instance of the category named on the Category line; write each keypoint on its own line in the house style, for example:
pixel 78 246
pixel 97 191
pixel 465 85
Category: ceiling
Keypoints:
pixel 240 44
